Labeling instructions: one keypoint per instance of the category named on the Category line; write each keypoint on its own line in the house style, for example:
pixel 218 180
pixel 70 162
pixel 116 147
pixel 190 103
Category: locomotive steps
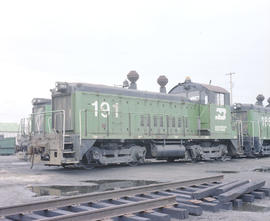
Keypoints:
pixel 163 201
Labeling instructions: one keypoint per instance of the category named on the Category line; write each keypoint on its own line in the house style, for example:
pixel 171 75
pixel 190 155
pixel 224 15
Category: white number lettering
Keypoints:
pixel 105 109
pixel 95 104
pixel 116 108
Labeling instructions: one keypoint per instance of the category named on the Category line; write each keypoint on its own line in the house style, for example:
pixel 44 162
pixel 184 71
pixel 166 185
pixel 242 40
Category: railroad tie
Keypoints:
pixel 265 190
pixel 174 212
pixel 192 209
pixel 153 215
pixel 238 191
pixel 209 191
pixel 132 218
pixel 249 198
pixel 227 206
pixel 258 195
pixel 237 203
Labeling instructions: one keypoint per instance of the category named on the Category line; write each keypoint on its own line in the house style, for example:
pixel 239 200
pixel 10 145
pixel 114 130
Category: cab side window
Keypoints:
pixel 206 99
pixel 220 99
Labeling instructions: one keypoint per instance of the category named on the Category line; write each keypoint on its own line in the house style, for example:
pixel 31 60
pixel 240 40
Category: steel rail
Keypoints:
pixel 116 210
pixel 94 197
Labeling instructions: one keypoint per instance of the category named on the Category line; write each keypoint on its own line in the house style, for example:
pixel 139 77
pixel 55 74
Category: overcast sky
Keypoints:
pixel 42 42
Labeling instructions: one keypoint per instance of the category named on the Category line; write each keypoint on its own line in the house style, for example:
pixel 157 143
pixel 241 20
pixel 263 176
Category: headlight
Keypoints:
pixel 36 101
pixel 237 106
pixel 61 86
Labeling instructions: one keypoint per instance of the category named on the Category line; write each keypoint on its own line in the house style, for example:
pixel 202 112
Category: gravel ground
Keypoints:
pixel 16 177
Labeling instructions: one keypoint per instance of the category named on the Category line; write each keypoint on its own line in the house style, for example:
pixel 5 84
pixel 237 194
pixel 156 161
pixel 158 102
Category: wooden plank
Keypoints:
pixel 208 191
pixel 230 186
pixel 236 192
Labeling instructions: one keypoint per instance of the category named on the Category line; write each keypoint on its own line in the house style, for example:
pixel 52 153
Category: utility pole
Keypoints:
pixel 231 85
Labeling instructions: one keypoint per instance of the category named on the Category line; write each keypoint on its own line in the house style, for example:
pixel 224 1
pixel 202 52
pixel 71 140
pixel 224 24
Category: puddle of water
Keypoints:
pixel 96 186
pixel 222 171
pixel 263 169
pixel 58 190
pixel 248 207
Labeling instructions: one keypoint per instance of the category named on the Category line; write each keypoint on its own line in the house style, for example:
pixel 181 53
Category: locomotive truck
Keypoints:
pixel 97 124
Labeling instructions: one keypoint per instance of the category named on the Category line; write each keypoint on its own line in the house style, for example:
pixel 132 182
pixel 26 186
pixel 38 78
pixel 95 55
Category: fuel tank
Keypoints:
pixel 168 151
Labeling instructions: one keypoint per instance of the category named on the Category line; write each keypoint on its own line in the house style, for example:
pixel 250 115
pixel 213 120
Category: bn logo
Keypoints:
pixel 220 113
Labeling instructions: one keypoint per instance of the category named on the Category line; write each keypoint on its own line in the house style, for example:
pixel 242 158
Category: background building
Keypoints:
pixel 9 129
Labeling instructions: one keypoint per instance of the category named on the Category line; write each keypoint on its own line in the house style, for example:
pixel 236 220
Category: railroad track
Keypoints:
pixel 152 202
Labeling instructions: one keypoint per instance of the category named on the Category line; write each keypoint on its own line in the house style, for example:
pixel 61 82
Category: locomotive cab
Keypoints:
pixel 214 106
pixel 202 93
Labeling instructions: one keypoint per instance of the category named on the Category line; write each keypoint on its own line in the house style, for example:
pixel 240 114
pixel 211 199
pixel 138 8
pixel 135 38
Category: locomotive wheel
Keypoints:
pixel 190 157
pixel 138 156
pixel 138 161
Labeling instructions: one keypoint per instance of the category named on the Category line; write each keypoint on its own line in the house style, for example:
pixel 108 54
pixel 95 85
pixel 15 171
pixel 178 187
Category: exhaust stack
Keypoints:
pixel 260 99
pixel 162 81
pixel 268 100
pixel 133 76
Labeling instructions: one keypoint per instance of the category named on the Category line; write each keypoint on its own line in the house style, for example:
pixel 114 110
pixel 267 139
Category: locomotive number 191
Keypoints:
pixel 105 109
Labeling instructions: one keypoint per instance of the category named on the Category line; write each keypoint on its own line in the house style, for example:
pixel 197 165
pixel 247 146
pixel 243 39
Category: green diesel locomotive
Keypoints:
pixel 97 124
pixel 253 124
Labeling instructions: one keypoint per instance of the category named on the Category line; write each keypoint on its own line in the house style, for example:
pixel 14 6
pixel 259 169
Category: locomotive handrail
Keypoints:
pixel 253 124
pixel 24 126
pixel 64 121
pixel 242 137
pixel 31 118
pixel 80 124
pixel 49 124
pixel 259 129
pixel 253 133
pixel 239 124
